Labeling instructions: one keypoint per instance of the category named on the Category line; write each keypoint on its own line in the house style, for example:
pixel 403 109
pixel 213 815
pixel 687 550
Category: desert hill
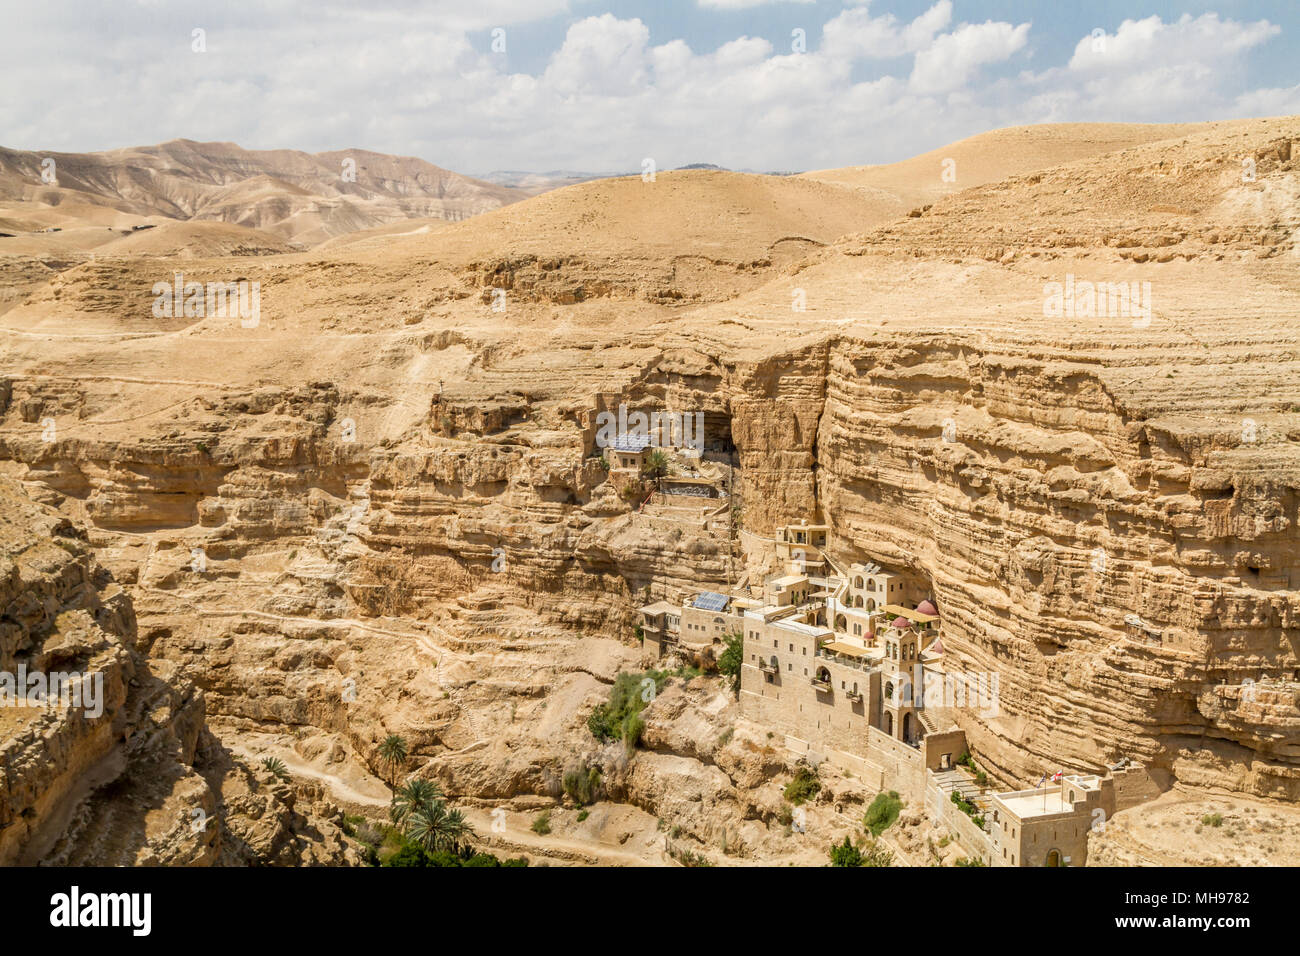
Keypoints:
pixel 995 155
pixel 301 197
pixel 382 237
pixel 691 235
pixel 195 239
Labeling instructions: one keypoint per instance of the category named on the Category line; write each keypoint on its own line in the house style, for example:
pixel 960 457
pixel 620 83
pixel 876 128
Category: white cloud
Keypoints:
pixel 602 56
pixel 856 33
pixel 1268 102
pixel 1151 70
pixel 949 62
pixel 1142 44
pixel 743 4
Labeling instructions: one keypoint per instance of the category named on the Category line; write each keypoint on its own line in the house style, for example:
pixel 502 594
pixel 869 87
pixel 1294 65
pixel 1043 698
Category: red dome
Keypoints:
pixel 926 607
pixel 871 635
pixel 902 623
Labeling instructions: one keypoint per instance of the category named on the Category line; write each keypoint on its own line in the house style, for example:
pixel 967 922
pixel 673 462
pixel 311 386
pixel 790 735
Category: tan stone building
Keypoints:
pixel 1049 825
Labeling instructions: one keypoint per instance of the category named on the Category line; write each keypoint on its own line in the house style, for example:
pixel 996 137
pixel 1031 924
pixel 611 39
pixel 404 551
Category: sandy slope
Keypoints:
pixel 997 154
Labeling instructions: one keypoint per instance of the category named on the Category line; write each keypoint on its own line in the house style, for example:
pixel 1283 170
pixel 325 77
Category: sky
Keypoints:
pixel 602 85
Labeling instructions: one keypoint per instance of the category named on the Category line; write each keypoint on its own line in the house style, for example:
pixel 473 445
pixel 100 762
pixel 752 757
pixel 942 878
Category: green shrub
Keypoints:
pixel 803 787
pixel 877 855
pixel 968 808
pixel 1213 819
pixel 882 813
pixel 845 854
pixel 582 785
pixel 542 825
pixel 874 854
pixel 583 814
pixel 276 767
pixel 970 861
pixel 411 854
pixel 730 660
pixel 617 718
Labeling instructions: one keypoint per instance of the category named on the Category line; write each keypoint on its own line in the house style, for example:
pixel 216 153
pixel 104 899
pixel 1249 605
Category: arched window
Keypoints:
pixel 857 582
pixel 857 601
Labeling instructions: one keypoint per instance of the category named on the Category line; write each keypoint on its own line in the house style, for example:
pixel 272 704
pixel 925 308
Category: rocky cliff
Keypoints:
pixel 119 769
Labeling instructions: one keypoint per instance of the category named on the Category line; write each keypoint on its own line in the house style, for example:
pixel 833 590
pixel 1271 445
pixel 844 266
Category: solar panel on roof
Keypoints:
pixel 712 601
pixel 630 442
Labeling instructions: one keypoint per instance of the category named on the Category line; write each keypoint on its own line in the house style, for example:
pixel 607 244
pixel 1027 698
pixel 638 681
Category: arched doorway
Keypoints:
pixel 907 727
pixel 1053 857
pixel 889 724
pixel 841 622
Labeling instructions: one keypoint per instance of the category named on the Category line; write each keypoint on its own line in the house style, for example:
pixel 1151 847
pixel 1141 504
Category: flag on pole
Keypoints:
pixel 1040 781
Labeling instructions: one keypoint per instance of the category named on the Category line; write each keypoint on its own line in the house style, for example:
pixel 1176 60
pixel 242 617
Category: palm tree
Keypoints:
pixel 434 828
pixel 409 798
pixel 393 751
pixel 656 465
pixel 425 825
pixel 276 766
pixel 456 830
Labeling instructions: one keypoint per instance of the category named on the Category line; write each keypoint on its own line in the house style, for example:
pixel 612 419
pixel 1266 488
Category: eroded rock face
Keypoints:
pixel 124 772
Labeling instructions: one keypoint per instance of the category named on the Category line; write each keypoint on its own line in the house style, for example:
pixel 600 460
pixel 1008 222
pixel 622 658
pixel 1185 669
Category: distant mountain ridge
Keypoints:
pixel 302 197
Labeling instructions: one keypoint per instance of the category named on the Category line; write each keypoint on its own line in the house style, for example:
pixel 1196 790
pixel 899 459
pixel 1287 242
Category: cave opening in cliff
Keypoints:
pixel 718 444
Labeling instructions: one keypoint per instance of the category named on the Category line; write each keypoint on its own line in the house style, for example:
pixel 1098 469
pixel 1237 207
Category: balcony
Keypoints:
pixel 854 695
pixel 823 684
pixel 767 667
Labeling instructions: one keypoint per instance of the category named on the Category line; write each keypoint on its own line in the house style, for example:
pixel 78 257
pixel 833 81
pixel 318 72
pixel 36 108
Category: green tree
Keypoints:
pixel 730 660
pixel 845 854
pixel 393 752
pixel 655 465
pixel 435 828
pixel 409 798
